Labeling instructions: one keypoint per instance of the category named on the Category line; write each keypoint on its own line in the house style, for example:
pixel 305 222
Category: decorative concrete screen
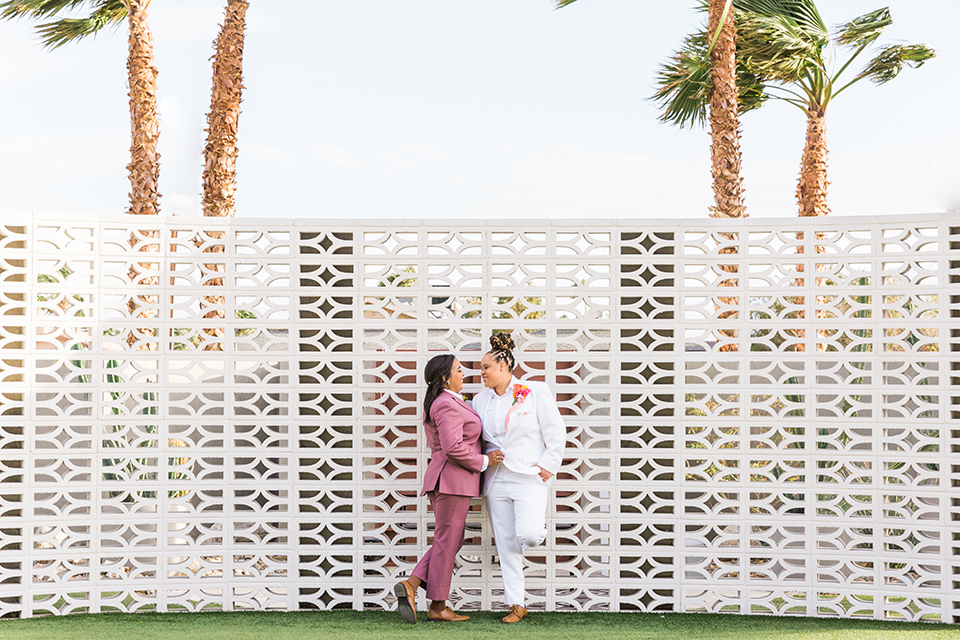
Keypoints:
pixel 762 415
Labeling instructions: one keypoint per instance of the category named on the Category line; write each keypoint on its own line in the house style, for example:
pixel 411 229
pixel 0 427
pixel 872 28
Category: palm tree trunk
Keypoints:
pixel 812 186
pixel 812 193
pixel 220 153
pixel 144 167
pixel 725 153
pixel 724 118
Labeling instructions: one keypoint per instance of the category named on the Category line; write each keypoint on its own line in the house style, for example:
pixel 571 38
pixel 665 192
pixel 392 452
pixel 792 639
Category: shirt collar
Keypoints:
pixel 509 391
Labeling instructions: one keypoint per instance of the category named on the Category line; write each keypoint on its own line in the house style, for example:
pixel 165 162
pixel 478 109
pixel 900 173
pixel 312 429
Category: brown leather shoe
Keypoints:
pixel 447 615
pixel 406 601
pixel 517 613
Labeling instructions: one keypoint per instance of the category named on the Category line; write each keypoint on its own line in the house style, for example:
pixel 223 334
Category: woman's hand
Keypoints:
pixel 495 457
pixel 544 474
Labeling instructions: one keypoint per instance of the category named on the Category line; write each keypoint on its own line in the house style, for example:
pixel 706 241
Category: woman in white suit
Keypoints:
pixel 522 420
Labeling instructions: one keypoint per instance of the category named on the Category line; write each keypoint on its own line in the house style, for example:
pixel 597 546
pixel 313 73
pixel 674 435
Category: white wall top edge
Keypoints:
pixel 16 217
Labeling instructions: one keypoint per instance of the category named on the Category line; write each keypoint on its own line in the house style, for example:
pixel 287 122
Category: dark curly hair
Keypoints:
pixel 502 347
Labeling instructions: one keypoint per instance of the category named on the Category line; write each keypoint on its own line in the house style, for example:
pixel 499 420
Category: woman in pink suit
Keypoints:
pixel 453 432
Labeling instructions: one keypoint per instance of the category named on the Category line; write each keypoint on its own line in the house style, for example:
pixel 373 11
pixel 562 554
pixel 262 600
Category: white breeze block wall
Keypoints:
pixel 199 414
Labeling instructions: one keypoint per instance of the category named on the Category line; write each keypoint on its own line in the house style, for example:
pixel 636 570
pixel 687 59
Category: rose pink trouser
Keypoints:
pixel 435 568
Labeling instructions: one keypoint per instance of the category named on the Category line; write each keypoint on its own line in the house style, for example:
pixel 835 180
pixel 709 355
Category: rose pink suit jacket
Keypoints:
pixel 456 457
pixel 453 432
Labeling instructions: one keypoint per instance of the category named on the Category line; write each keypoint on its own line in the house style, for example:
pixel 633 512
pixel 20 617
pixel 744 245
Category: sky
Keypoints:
pixel 458 110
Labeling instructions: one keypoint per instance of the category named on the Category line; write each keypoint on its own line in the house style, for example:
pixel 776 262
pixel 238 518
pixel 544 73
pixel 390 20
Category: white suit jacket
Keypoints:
pixel 535 434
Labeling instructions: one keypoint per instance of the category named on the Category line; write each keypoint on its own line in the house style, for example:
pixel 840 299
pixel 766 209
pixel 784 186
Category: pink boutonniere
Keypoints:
pixel 520 393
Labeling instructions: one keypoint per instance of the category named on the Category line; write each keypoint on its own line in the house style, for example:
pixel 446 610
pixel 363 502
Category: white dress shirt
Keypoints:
pixel 496 414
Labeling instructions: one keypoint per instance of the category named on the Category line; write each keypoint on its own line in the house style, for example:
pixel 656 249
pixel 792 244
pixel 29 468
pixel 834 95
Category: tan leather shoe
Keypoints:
pixel 447 615
pixel 406 601
pixel 517 613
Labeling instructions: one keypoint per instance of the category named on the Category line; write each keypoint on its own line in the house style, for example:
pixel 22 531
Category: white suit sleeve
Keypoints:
pixel 553 431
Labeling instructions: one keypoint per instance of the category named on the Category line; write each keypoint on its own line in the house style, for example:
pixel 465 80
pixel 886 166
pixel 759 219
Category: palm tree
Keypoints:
pixel 785 52
pixel 220 152
pixel 786 46
pixel 724 113
pixel 717 70
pixel 144 168
pixel 55 31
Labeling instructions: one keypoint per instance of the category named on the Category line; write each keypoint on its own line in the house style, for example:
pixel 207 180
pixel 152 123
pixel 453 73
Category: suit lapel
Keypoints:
pixel 464 403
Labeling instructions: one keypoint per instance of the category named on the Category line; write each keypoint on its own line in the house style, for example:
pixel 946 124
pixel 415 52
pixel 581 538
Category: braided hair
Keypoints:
pixel 437 375
pixel 502 347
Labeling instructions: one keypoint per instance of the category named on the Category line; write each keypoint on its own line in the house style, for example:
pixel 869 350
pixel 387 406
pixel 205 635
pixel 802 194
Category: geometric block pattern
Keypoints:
pixel 211 414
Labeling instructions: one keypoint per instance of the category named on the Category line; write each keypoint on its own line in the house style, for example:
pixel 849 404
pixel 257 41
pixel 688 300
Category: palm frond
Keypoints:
pixel 564 3
pixel 106 13
pixel 58 33
pixel 61 30
pixel 889 62
pixel 803 12
pixel 36 8
pixel 684 84
pixel 863 31
pixel 775 47
pixel 751 89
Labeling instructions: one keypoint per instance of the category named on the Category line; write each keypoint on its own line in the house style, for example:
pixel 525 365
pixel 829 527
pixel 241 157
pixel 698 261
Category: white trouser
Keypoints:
pixel 517 505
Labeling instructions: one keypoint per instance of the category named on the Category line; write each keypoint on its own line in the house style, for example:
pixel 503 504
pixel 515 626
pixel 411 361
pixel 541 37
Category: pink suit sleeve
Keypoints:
pixel 450 429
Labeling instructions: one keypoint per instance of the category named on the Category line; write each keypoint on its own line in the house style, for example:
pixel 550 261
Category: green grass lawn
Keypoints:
pixel 351 625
